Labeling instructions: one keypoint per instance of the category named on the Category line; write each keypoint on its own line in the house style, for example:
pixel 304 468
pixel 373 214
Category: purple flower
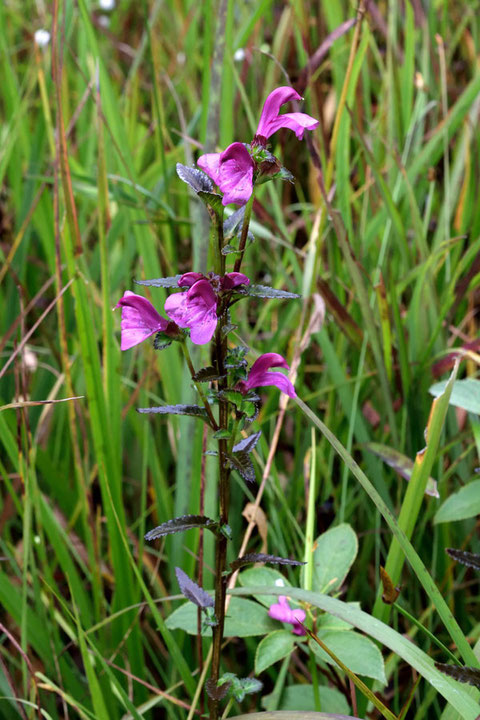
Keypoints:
pixel 232 170
pixel 283 612
pixel 197 307
pixel 259 375
pixel 139 320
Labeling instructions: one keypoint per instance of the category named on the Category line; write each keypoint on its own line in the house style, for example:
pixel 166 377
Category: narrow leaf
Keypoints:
pixel 466 558
pixel 265 291
pixel 194 410
pixel 179 524
pixel 251 558
pixel 464 674
pixel 232 227
pixel 247 444
pixel 195 178
pixel 166 282
pixel 192 591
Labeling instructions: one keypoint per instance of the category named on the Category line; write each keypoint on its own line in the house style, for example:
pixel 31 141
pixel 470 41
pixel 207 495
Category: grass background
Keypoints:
pixel 92 127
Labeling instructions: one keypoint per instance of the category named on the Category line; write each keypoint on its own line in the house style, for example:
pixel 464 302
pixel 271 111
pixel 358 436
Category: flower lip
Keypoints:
pixel 259 375
pixel 283 612
pixel 139 321
pixel 271 120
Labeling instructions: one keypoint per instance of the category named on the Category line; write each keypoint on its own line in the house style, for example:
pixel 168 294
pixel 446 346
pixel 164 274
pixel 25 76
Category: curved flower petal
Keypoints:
pixel 202 312
pixel 189 278
pixel 282 611
pixel 260 377
pixel 139 320
pixel 176 308
pixel 231 280
pixel 236 174
pixel 271 120
pixel 210 163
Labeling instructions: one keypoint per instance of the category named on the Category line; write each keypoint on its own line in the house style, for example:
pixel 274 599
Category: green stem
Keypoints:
pixel 198 386
pixel 244 235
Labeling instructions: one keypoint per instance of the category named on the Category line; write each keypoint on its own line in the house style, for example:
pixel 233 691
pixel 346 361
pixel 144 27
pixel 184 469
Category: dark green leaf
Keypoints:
pixel 207 374
pixel 161 341
pixel 236 357
pixel 251 558
pixel 265 291
pixel 166 282
pixel 179 524
pixel 230 250
pixel 192 591
pixel 241 462
pixel 195 178
pixel 232 227
pixel 194 410
pixel 214 201
pixel 466 558
pixel 247 444
pixel 468 675
pixel 222 434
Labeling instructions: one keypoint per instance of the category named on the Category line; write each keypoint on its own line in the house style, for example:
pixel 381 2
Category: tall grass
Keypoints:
pixel 92 127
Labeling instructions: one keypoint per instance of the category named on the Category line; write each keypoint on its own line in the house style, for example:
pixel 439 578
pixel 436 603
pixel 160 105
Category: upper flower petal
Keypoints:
pixel 189 278
pixel 210 163
pixel 139 320
pixel 271 120
pixel 236 174
pixel 202 312
pixel 231 280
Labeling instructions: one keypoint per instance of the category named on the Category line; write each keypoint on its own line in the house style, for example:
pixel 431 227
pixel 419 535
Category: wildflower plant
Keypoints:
pixel 199 310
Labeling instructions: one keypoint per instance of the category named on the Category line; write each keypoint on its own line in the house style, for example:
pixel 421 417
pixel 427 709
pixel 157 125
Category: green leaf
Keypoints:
pixel 194 178
pixel 465 394
pixel 265 291
pixel 214 201
pixel 301 698
pixel 251 558
pixel 402 464
pixel 460 698
pixel 335 551
pixel 232 227
pixel 272 648
pixel 466 558
pixel 356 651
pixel 194 410
pixel 179 524
pixel 461 505
pixel 264 576
pixel 165 282
pixel 245 618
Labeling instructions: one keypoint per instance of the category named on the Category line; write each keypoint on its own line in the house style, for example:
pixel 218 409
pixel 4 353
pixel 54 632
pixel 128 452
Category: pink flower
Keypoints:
pixel 232 170
pixel 197 307
pixel 283 612
pixel 139 320
pixel 259 375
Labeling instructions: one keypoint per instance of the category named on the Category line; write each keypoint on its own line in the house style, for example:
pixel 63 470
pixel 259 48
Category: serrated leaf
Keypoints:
pixel 232 396
pixel 465 558
pixel 217 692
pixel 165 282
pixel 273 647
pixel 194 410
pixel 231 250
pixel 161 342
pixel 194 178
pixel 265 291
pixel 180 524
pixel 402 464
pixel 236 357
pixel 207 374
pixel 247 444
pixel 251 685
pixel 241 462
pixel 251 558
pixel 464 674
pixel 193 592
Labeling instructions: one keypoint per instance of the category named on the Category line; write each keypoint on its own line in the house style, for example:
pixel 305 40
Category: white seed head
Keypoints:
pixel 41 37
pixel 239 55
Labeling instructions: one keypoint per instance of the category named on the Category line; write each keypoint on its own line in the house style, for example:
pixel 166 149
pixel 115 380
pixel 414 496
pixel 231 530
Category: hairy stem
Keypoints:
pixel 198 386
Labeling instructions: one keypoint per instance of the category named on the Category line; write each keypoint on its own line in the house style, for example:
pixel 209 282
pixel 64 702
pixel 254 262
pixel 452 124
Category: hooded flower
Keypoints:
pixel 232 170
pixel 139 320
pixel 259 375
pixel 283 612
pixel 197 307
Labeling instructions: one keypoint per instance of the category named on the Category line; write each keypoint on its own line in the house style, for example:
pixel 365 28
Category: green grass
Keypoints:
pixel 90 133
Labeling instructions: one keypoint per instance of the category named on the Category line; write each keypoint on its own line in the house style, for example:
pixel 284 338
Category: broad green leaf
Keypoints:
pixel 465 394
pixel 245 618
pixel 301 697
pixel 357 652
pixel 461 505
pixel 273 647
pixel 264 576
pixel 464 700
pixel 335 551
